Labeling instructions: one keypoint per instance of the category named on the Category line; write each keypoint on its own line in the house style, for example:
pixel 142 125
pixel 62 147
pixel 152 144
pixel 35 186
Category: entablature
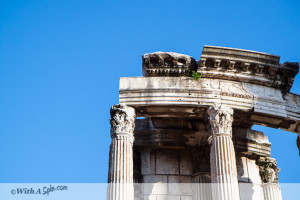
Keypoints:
pixel 186 97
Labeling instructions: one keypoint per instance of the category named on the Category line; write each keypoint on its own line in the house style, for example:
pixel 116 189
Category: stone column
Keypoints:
pixel 268 172
pixel 222 155
pixel 202 186
pixel 201 169
pixel 120 174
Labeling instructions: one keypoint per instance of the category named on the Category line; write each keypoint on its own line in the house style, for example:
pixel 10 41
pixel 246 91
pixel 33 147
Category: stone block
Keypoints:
pixel 253 171
pixel 162 197
pixel 149 197
pixel 250 191
pixel 186 198
pixel 180 185
pixel 186 167
pixel 174 197
pixel 179 179
pixel 155 184
pixel 167 162
pixel 242 169
pixel 148 162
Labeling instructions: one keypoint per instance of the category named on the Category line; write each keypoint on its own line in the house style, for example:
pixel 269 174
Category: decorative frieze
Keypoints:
pixel 247 66
pixel 168 64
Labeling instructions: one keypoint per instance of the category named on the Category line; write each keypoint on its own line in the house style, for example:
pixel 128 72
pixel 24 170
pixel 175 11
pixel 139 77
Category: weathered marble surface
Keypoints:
pixel 190 133
pixel 168 64
pixel 222 154
pixel 247 66
pixel 153 96
pixel 120 173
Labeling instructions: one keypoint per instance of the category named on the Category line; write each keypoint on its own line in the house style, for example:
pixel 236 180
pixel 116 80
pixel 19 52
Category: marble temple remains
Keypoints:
pixel 170 127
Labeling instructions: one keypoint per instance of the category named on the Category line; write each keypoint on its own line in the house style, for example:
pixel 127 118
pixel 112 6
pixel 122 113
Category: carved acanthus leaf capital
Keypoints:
pixel 268 170
pixel 219 120
pixel 122 119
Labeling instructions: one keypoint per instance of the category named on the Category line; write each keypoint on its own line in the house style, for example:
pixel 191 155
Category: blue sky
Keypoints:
pixel 60 63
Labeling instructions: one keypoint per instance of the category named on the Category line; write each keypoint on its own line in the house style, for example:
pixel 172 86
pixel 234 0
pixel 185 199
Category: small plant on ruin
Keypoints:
pixel 195 75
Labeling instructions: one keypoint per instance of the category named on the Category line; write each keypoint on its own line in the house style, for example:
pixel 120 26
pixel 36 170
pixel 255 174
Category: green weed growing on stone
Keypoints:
pixel 195 75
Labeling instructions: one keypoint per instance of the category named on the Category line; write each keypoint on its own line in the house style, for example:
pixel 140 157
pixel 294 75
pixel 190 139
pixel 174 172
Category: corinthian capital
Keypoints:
pixel 219 120
pixel 268 170
pixel 122 119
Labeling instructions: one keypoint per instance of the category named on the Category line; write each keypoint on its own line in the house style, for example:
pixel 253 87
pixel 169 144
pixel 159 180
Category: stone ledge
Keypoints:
pixel 168 64
pixel 224 63
pixel 185 97
pixel 247 66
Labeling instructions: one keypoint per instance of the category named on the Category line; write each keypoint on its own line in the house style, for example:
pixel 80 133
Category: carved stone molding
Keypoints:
pixel 168 64
pixel 250 142
pixel 219 120
pixel 122 120
pixel 268 170
pixel 247 66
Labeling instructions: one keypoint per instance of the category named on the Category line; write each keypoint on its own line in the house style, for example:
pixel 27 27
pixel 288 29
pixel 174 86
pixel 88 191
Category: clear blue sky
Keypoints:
pixel 60 63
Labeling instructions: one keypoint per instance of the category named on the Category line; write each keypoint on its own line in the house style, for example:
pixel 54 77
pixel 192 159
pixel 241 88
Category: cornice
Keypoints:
pixel 224 63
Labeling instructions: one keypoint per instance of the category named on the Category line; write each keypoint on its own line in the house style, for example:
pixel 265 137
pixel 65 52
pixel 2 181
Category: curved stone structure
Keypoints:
pixel 184 120
pixel 247 66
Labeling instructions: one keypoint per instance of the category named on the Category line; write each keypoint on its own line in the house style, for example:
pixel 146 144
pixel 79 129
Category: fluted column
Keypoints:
pixel 202 186
pixel 222 155
pixel 120 174
pixel 268 172
pixel 201 169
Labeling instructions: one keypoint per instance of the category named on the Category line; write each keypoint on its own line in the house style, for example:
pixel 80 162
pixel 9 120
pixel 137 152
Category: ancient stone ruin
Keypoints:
pixel 172 128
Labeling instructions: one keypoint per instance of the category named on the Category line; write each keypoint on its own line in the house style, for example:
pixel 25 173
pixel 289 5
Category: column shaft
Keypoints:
pixel 120 174
pixel 272 191
pixel 222 156
pixel 202 187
